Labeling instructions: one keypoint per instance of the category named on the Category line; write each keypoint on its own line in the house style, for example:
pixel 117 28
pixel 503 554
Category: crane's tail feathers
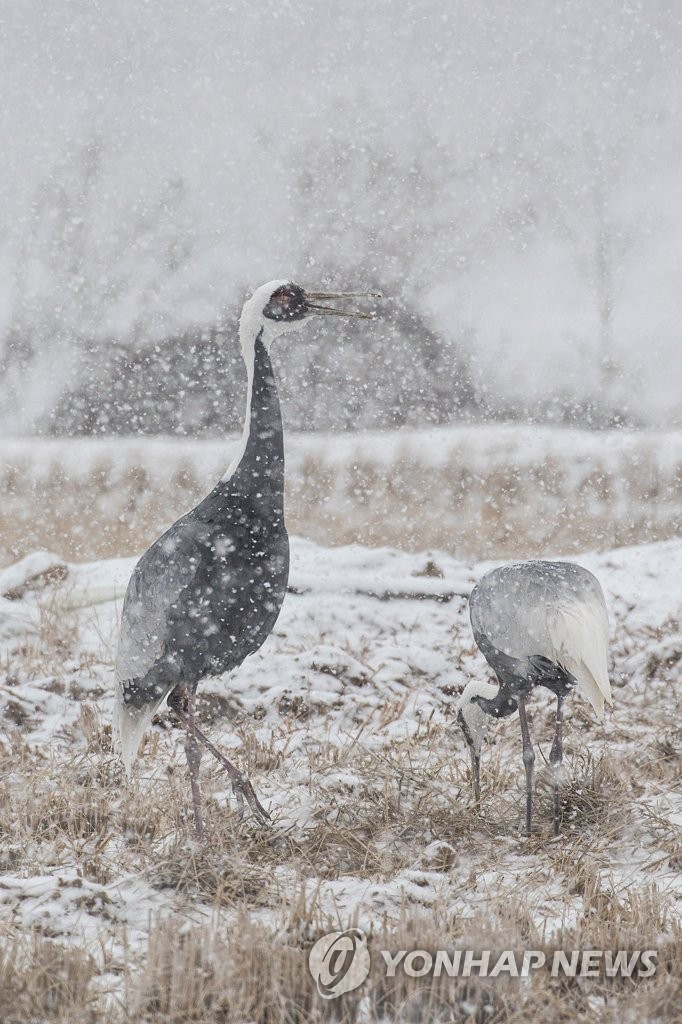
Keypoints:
pixel 580 635
pixel 128 727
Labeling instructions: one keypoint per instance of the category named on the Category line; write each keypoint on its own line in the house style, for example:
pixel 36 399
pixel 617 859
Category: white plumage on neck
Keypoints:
pixel 253 323
pixel 475 718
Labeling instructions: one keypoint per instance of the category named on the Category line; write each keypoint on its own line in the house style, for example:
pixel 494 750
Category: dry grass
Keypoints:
pixel 387 836
pixel 237 967
pixel 42 980
pixel 604 491
pixel 252 973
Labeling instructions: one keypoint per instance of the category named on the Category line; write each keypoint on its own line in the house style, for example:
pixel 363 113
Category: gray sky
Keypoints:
pixel 206 116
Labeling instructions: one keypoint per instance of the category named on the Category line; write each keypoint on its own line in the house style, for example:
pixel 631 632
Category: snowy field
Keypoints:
pixel 110 910
pixel 493 491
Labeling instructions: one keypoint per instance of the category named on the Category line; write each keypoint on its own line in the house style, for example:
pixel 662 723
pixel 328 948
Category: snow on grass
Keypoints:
pixel 344 723
pixel 503 490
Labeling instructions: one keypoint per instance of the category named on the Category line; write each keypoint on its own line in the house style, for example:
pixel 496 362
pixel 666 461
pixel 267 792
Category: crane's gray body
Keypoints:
pixel 208 592
pixel 537 624
pixel 516 614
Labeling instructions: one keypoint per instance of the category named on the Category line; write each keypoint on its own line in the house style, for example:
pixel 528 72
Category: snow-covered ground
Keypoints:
pixel 344 721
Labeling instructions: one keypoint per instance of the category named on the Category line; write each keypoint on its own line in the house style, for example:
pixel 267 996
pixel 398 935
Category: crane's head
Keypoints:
pixel 279 307
pixel 474 720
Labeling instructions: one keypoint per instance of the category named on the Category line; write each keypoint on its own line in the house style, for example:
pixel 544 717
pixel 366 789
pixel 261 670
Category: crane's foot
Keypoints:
pixel 241 787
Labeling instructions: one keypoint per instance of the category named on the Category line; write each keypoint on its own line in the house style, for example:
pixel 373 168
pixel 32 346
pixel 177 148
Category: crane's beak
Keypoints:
pixel 313 298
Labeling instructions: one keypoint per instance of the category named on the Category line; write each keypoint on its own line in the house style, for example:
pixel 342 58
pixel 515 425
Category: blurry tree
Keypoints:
pixel 78 284
pixel 343 375
pixel 486 166
pixel 382 218
pixel 506 173
pixel 188 384
pixel 580 188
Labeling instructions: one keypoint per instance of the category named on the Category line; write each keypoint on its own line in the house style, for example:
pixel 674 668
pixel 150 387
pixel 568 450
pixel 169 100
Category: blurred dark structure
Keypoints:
pixel 398 374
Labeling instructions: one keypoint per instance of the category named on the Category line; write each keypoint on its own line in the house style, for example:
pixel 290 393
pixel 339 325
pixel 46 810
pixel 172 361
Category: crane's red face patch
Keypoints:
pixel 286 303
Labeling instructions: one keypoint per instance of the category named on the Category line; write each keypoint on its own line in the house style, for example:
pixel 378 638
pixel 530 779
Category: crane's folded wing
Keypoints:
pixel 166 569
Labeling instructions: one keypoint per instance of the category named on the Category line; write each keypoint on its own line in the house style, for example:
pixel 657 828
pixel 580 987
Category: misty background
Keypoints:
pixel 508 174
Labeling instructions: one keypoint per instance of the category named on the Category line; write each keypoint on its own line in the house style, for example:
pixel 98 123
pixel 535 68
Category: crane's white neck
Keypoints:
pixel 249 353
pixel 473 720
pixel 255 328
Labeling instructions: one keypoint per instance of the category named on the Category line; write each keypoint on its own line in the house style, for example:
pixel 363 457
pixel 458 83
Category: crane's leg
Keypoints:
pixel 476 776
pixel 241 786
pixel 528 762
pixel 556 756
pixel 193 752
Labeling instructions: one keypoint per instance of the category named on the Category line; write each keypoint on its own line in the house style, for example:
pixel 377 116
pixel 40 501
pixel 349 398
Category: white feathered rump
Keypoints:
pixel 579 633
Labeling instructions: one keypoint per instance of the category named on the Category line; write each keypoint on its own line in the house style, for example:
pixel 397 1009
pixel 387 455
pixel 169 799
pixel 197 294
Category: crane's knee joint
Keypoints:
pixel 528 757
pixel 178 700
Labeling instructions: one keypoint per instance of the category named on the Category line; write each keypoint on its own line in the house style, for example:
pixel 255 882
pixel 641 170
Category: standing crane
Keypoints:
pixel 537 624
pixel 208 592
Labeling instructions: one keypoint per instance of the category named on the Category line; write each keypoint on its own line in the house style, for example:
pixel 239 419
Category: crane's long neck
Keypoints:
pixel 503 704
pixel 258 467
